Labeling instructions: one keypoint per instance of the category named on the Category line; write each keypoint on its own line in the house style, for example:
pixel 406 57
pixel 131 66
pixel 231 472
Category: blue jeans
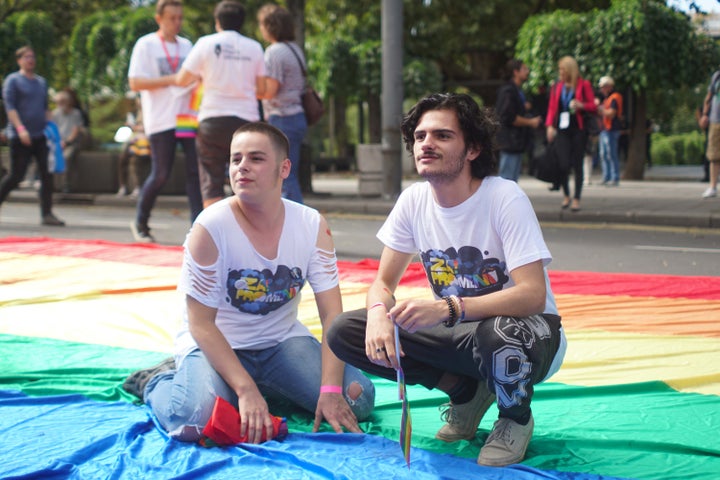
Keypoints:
pixel 510 165
pixel 294 128
pixel 182 400
pixel 163 146
pixel 609 158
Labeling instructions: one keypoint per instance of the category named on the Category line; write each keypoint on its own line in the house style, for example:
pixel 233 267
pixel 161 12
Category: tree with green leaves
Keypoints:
pixel 644 45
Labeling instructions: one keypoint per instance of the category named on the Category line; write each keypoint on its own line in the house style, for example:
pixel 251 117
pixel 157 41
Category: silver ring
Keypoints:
pixel 381 349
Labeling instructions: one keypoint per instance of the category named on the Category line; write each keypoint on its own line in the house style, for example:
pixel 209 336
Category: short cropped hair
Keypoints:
pixel 230 15
pixel 162 4
pixel 22 51
pixel 278 21
pixel 478 126
pixel 278 139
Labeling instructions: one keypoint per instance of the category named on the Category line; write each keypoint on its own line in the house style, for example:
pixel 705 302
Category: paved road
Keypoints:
pixel 576 246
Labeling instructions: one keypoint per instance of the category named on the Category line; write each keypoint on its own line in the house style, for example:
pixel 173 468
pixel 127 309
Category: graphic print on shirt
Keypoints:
pixel 261 292
pixel 164 67
pixel 465 272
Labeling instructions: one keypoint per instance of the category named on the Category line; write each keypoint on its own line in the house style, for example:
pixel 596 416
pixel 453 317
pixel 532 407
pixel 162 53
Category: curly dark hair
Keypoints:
pixel 478 126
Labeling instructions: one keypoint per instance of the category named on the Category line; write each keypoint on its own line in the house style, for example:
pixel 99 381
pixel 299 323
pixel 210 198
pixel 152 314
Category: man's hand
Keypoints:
pixel 254 416
pixel 333 408
pixel 380 339
pixel 414 315
pixel 24 136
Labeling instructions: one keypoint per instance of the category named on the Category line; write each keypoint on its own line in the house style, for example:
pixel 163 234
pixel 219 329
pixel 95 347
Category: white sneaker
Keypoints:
pixel 710 192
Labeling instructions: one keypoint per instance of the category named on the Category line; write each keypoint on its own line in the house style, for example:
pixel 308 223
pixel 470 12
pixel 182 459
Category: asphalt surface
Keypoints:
pixel 668 196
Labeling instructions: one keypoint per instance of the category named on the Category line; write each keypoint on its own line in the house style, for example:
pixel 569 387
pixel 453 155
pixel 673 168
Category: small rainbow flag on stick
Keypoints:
pixel 406 421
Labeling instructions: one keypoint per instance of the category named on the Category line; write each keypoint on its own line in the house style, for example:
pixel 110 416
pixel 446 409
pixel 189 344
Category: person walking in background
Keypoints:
pixel 492 331
pixel 611 112
pixel 284 84
pixel 241 338
pixel 71 126
pixel 710 120
pixel 232 71
pixel 703 157
pixel 570 99
pixel 26 102
pixel 516 128
pixel 155 59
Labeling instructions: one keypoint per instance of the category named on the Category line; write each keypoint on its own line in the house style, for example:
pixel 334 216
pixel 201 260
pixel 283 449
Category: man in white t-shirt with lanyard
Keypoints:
pixel 155 59
pixel 231 68
pixel 492 331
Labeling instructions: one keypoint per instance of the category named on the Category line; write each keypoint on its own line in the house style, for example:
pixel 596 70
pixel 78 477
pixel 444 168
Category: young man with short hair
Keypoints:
pixel 155 59
pixel 247 258
pixel 231 68
pixel 25 94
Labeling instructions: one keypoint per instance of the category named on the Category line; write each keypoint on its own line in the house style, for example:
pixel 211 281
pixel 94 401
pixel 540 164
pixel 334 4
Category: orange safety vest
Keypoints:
pixel 607 121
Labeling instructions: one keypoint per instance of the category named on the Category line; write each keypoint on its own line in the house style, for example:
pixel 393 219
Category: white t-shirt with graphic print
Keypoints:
pixel 228 64
pixel 149 59
pixel 470 249
pixel 256 297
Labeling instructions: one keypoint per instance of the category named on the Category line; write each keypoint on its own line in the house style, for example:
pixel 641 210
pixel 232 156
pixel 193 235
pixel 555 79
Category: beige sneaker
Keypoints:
pixel 506 444
pixel 463 420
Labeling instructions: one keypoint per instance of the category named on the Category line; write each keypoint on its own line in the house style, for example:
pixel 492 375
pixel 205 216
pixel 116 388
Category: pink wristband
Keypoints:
pixel 379 304
pixel 331 389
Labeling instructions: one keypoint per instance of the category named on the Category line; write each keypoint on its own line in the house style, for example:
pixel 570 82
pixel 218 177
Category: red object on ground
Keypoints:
pixel 223 428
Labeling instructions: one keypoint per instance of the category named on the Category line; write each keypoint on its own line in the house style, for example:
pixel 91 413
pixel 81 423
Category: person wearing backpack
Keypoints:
pixel 610 111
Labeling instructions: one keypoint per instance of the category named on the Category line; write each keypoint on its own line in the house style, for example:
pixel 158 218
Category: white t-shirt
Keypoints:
pixel 229 64
pixel 469 250
pixel 150 59
pixel 256 297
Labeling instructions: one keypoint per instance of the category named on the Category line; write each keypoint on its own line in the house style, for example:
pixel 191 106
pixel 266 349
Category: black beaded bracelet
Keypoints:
pixel 450 322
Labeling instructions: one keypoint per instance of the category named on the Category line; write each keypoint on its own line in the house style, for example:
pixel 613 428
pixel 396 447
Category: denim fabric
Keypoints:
pixel 510 165
pixel 182 400
pixel 609 158
pixel 163 146
pixel 294 127
pixel 20 157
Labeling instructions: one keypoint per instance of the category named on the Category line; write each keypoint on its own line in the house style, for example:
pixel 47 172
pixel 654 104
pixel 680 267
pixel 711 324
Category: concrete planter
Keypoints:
pixel 370 169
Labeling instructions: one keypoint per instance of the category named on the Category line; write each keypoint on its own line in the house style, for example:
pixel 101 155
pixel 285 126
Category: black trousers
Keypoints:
pixel 510 354
pixel 570 150
pixel 20 157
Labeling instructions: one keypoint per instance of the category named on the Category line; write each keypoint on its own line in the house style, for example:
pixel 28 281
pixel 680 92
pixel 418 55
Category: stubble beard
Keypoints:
pixel 448 174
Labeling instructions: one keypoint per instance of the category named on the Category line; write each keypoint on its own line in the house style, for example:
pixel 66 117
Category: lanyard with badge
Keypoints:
pixel 173 62
pixel 566 96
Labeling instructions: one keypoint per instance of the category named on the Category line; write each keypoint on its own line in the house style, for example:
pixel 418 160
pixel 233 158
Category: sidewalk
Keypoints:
pixel 669 196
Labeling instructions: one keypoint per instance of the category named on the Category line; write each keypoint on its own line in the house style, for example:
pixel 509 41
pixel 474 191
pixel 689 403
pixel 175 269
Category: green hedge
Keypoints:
pixel 680 149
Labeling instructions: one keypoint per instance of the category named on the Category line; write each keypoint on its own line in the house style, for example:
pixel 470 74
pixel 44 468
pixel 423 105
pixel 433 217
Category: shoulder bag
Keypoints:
pixel 311 101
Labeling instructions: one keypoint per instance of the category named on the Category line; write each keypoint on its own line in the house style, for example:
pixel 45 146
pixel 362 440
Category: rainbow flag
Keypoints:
pixel 187 121
pixel 406 420
pixel 638 395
